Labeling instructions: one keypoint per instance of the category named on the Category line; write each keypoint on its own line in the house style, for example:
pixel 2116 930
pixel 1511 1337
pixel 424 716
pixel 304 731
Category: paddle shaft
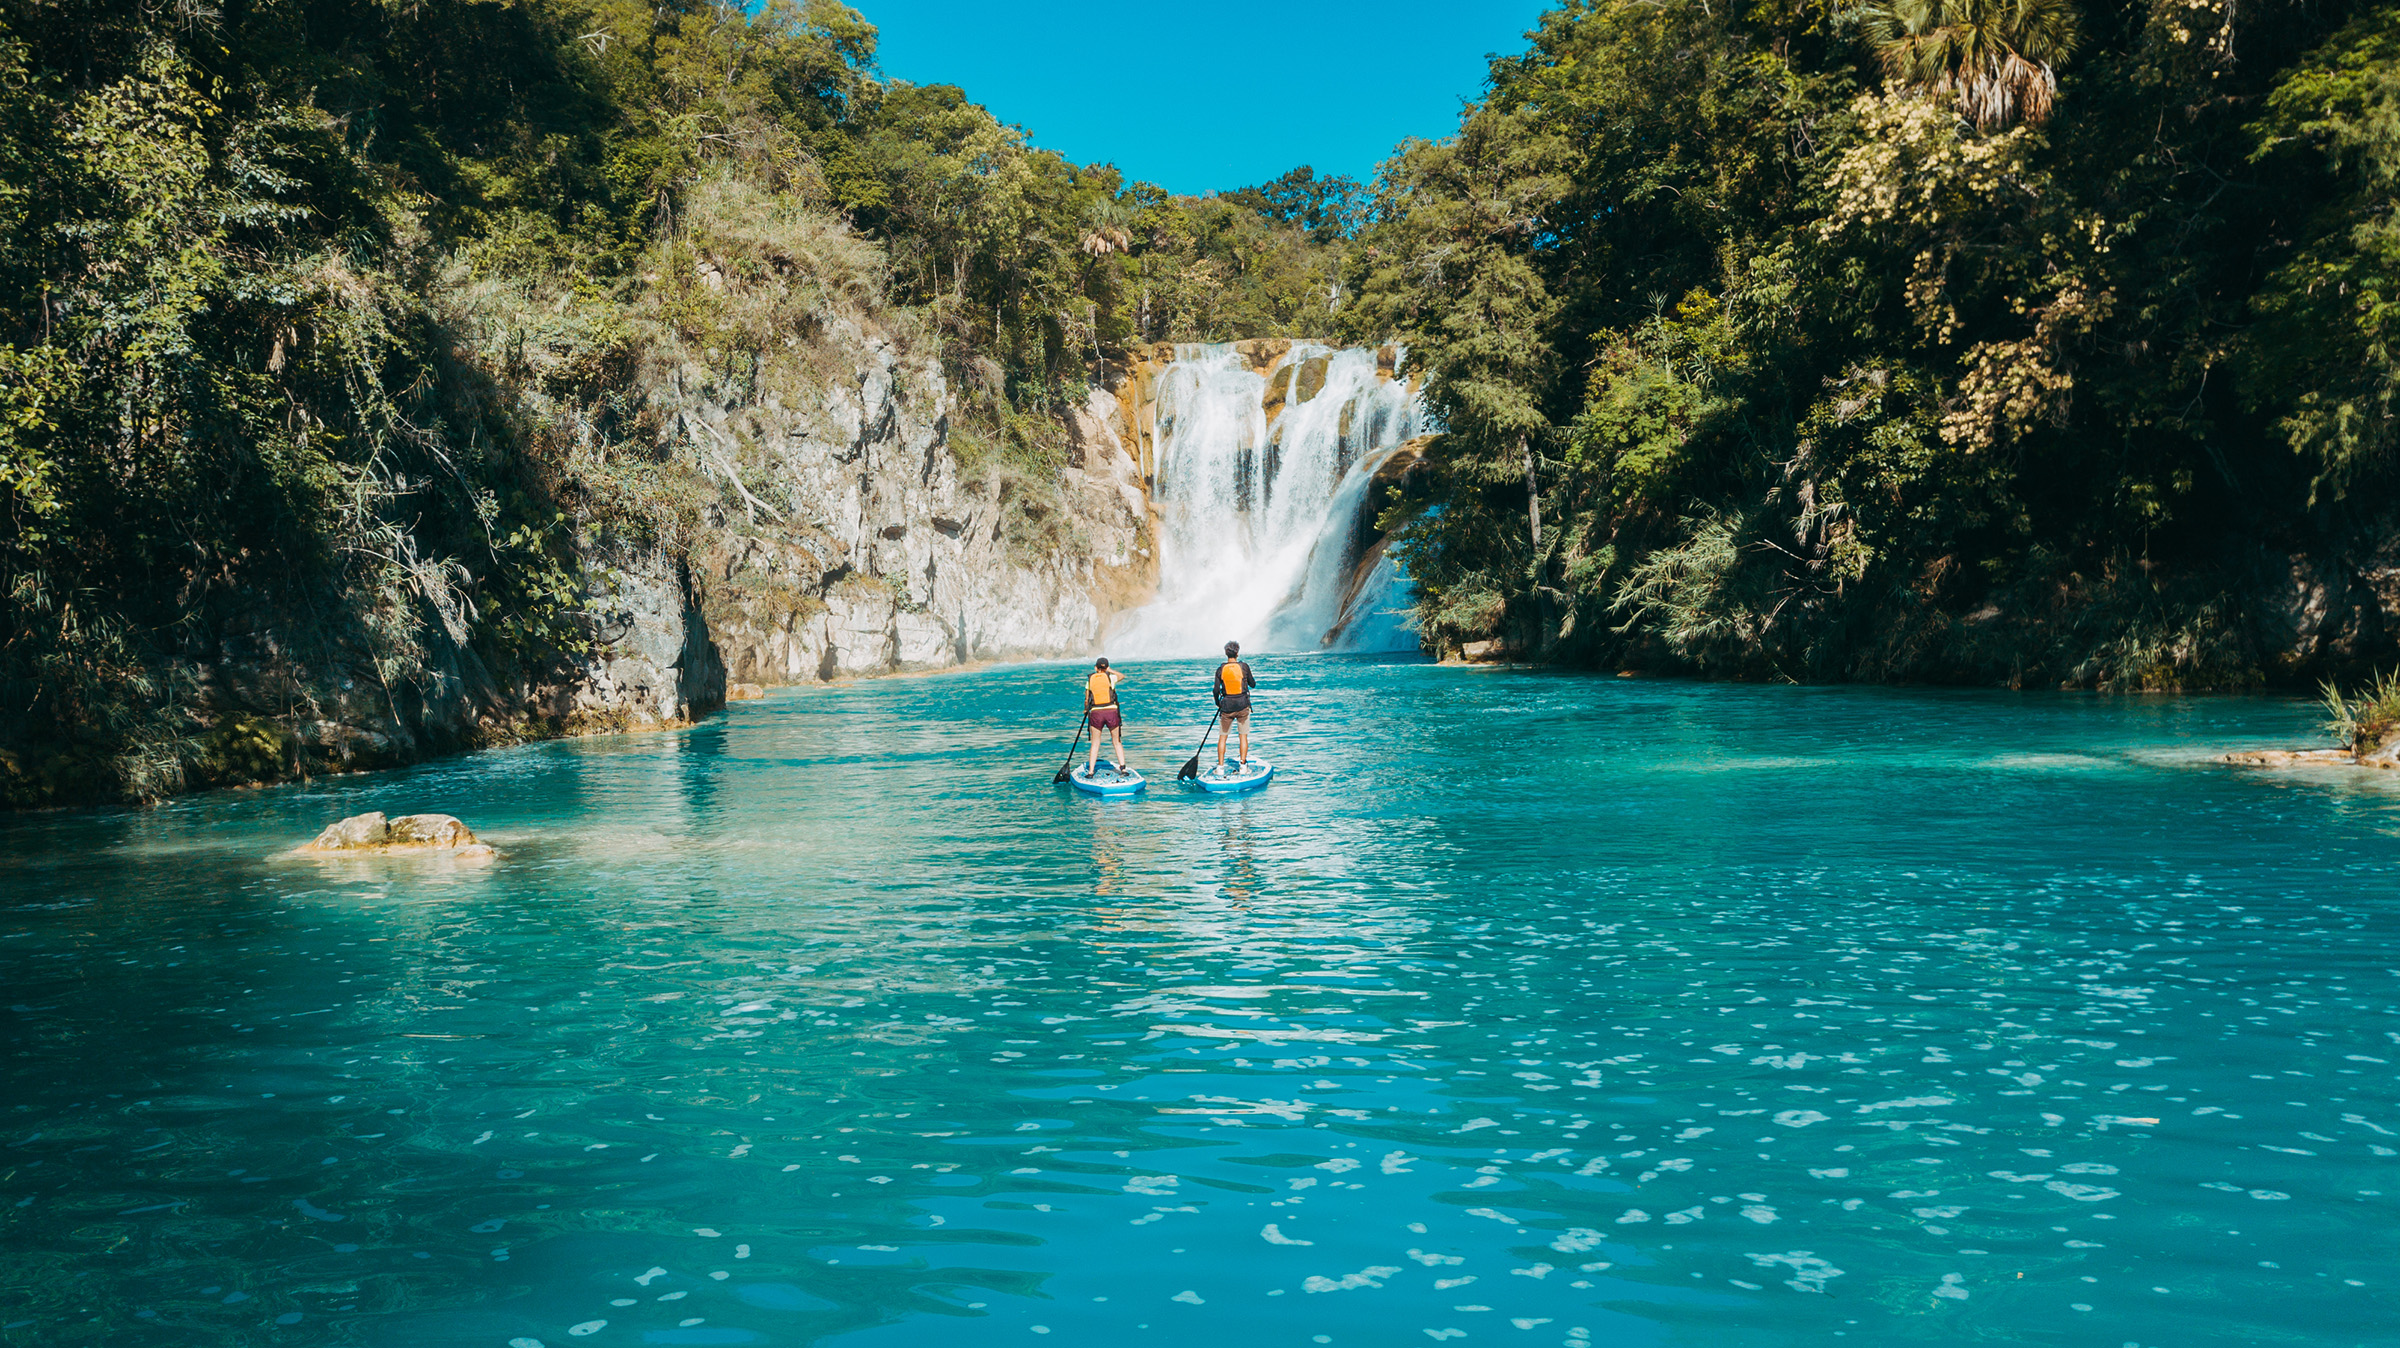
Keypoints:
pixel 1191 766
pixel 1083 722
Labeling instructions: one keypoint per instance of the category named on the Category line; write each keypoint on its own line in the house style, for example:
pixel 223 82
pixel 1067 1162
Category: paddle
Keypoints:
pixel 1191 766
pixel 1080 726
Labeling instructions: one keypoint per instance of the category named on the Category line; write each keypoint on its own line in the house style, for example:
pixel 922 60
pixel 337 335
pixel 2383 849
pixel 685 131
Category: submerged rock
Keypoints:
pixel 372 832
pixel 744 692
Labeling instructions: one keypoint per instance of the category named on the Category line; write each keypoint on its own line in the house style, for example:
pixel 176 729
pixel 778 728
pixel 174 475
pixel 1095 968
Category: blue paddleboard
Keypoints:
pixel 1232 777
pixel 1107 781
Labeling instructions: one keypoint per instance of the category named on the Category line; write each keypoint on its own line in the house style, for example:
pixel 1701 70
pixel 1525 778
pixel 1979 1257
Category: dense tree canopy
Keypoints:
pixel 1937 338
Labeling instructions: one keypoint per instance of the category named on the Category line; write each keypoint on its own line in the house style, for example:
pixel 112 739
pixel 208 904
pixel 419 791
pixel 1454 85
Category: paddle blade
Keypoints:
pixel 1190 769
pixel 1061 777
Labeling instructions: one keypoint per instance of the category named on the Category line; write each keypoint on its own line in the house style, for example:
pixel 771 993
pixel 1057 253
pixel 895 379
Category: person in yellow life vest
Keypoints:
pixel 1102 710
pixel 1231 685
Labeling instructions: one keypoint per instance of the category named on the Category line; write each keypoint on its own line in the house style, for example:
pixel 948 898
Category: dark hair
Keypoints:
pixel 1232 649
pixel 1101 663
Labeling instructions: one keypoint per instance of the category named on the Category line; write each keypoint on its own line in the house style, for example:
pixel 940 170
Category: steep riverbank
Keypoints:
pixel 858 500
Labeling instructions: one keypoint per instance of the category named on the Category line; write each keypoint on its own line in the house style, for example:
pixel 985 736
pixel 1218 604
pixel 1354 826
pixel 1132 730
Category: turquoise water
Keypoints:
pixel 1520 1008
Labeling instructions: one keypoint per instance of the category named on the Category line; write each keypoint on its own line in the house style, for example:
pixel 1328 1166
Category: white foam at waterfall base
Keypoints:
pixel 1260 525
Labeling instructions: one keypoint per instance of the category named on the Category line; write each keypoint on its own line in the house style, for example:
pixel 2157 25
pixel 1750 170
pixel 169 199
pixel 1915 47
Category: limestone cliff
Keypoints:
pixel 2331 609
pixel 841 532
pixel 858 495
pixel 272 698
pixel 854 538
pixel 652 662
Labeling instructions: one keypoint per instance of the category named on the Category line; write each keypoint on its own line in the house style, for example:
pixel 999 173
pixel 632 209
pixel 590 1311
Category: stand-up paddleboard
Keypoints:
pixel 1106 781
pixel 1227 778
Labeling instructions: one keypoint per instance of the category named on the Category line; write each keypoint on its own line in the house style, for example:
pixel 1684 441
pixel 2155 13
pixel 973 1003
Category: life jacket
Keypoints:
pixel 1229 680
pixel 1101 689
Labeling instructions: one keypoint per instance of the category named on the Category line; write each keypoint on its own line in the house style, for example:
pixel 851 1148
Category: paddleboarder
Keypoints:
pixel 1105 715
pixel 1231 685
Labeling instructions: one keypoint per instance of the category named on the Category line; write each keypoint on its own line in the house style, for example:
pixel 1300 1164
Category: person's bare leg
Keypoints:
pixel 1092 759
pixel 1116 736
pixel 1224 729
pixel 1245 741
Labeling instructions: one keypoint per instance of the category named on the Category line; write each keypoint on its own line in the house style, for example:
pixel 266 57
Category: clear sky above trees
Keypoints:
pixel 1205 97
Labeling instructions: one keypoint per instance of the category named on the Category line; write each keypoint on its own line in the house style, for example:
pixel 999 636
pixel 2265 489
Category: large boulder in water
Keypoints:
pixel 372 832
pixel 359 830
pixel 427 830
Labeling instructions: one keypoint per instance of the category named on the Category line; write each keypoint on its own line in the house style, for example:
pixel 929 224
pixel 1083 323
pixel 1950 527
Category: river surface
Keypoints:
pixel 1520 1008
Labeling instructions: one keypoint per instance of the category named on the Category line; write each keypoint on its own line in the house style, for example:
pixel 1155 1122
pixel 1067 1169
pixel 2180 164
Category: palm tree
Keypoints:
pixel 1104 228
pixel 1998 59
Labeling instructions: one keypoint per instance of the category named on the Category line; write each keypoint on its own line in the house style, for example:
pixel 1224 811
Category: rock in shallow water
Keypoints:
pixel 2284 758
pixel 2298 758
pixel 372 832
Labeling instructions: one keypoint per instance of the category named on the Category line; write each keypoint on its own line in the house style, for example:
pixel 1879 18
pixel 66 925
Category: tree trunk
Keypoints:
pixel 1533 493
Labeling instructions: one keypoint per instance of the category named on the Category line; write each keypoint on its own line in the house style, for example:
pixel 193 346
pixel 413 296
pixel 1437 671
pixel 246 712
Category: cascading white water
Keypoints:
pixel 1260 529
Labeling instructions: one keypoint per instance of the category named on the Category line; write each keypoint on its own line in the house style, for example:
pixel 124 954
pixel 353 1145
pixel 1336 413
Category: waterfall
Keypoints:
pixel 1260 482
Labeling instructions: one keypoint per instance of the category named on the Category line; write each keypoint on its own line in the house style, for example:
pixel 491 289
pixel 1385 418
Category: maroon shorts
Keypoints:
pixel 1107 718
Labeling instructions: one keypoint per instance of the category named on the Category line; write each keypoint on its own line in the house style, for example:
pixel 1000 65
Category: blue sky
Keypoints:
pixel 1196 97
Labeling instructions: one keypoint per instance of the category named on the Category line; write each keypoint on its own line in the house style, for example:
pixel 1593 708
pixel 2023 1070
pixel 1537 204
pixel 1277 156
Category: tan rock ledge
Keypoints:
pixel 2301 758
pixel 373 835
pixel 1483 653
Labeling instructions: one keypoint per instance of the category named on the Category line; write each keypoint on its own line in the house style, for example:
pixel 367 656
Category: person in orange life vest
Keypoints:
pixel 1107 717
pixel 1232 684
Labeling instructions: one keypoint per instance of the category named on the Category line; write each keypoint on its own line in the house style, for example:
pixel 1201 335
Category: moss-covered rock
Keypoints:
pixel 244 749
pixel 1292 384
pixel 1310 379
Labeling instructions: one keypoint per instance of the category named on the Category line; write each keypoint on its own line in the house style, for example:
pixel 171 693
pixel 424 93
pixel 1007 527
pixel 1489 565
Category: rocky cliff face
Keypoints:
pixel 859 540
pixel 2328 611
pixel 272 703
pixel 852 525
pixel 652 661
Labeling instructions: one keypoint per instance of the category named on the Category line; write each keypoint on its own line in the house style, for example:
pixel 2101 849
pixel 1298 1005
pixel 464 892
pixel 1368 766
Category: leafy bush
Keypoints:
pixel 2367 720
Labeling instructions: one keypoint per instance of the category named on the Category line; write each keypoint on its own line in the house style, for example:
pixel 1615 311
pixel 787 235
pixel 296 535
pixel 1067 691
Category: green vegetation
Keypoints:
pixel 337 335
pixel 2365 722
pixel 1982 340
